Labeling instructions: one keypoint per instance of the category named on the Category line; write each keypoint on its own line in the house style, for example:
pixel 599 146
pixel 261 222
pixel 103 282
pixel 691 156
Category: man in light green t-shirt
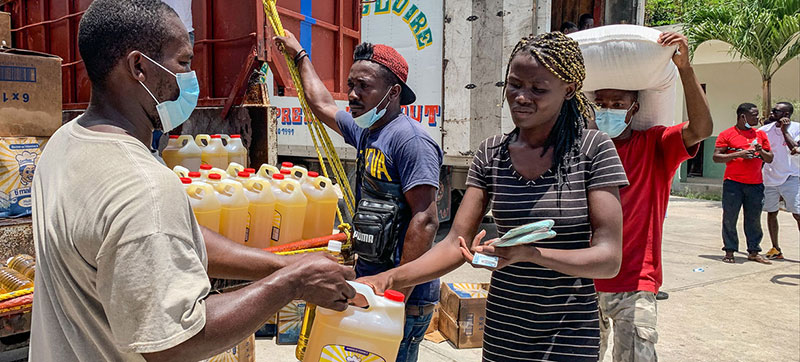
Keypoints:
pixel 122 266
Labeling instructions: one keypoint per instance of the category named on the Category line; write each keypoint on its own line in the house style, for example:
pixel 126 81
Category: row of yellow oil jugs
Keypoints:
pixel 204 149
pixel 263 208
pixel 17 274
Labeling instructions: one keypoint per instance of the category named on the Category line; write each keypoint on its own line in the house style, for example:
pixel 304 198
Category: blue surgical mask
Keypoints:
pixel 612 121
pixel 747 125
pixel 371 116
pixel 174 113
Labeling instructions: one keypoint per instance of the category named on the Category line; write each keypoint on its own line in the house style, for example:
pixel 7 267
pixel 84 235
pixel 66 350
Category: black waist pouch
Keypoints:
pixel 375 230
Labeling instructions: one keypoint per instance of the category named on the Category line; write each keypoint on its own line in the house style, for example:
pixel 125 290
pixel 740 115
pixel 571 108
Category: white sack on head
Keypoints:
pixel 629 57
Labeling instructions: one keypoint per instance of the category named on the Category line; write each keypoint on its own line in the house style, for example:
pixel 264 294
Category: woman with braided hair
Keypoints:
pixel 542 303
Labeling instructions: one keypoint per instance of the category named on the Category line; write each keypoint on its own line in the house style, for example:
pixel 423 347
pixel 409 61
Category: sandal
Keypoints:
pixel 758 258
pixel 728 259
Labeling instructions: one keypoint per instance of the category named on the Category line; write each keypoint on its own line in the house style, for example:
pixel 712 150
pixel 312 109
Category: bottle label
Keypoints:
pixel 276 226
pixel 337 353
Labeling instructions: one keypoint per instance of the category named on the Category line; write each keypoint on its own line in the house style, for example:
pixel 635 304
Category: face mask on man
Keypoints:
pixel 371 116
pixel 612 121
pixel 174 113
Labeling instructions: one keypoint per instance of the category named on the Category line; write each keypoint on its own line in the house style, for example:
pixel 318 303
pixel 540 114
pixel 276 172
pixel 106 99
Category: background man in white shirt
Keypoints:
pixel 782 176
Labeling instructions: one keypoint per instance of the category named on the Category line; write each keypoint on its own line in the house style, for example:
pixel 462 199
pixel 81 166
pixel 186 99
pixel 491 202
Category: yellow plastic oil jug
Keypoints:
pixel 234 216
pixel 213 152
pixel 321 209
pixel 359 334
pixel 170 153
pixel 290 211
pixel 262 210
pixel 205 205
pixel 236 150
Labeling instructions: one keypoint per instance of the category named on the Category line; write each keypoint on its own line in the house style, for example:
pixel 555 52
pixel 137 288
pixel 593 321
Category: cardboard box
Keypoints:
pixel 30 93
pixel 18 159
pixel 243 352
pixel 463 313
pixel 5 29
pixel 290 321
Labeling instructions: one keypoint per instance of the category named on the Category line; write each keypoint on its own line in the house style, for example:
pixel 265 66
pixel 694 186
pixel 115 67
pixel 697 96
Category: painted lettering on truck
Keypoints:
pixel 411 15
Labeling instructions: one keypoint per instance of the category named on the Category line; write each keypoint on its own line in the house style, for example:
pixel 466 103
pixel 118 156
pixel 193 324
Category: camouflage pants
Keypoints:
pixel 633 316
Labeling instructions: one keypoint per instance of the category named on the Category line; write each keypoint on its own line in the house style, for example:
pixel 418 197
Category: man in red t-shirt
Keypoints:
pixel 744 150
pixel 650 159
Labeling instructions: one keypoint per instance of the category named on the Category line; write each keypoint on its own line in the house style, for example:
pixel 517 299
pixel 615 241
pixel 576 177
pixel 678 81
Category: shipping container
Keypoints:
pixel 227 34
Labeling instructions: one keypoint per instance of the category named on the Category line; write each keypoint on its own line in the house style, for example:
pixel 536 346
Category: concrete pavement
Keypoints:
pixel 726 312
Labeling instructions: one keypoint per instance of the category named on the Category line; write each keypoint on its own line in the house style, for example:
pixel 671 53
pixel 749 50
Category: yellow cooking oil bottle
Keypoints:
pixel 290 211
pixel 205 205
pixel 321 209
pixel 335 249
pixel 262 209
pixel 189 155
pixel 12 280
pixel 170 153
pixel 213 152
pixel 24 264
pixel 234 169
pixel 236 150
pixel 234 216
pixel 359 334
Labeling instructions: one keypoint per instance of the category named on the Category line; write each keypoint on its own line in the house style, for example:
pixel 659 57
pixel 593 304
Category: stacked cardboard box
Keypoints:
pixel 462 313
pixel 243 352
pixel 30 111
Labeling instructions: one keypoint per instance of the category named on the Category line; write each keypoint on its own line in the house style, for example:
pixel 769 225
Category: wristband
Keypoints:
pixel 299 56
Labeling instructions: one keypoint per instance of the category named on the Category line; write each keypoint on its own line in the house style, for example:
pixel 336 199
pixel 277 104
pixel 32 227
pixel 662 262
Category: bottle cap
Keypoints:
pixel 194 174
pixel 236 136
pixel 394 296
pixel 174 136
pixel 313 174
pixel 286 172
pixel 287 165
pixel 215 176
pixel 277 176
pixel 244 174
pixel 216 136
pixel 186 180
pixel 250 170
pixel 205 167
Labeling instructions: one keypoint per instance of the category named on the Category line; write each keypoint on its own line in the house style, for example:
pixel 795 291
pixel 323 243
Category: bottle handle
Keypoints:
pixel 202 137
pixel 267 170
pixel 181 171
pixel 251 183
pixel 225 138
pixel 321 182
pixel 194 190
pixel 287 186
pixel 234 168
pixel 366 291
pixel 184 139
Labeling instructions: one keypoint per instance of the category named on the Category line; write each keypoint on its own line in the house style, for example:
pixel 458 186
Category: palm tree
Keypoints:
pixel 764 32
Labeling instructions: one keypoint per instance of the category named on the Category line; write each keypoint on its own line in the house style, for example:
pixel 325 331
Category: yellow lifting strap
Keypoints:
pixel 315 127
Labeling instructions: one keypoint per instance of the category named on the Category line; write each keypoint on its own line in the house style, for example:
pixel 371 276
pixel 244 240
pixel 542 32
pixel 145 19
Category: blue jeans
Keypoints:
pixel 413 333
pixel 736 196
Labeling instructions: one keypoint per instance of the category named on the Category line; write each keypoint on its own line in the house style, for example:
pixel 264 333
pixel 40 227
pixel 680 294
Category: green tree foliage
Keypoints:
pixel 765 33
